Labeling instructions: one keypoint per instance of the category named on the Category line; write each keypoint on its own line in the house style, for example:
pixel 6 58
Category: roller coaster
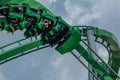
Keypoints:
pixel 50 30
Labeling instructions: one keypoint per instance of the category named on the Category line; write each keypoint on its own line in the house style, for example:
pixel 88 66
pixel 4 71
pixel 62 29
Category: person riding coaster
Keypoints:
pixel 36 22
pixel 13 18
pixel 56 33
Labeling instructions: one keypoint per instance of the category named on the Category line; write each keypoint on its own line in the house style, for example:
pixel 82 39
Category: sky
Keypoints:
pixel 48 64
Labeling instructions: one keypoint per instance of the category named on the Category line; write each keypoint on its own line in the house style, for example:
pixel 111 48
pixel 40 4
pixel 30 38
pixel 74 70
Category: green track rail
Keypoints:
pixel 107 39
pixel 103 75
pixel 19 50
pixel 32 3
pixel 112 46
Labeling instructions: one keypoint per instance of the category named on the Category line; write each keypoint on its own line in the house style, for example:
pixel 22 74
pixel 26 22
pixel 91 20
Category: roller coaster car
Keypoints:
pixel 36 22
pixel 2 18
pixel 44 25
pixel 39 11
pixel 2 21
pixel 3 24
pixel 4 11
pixel 18 9
pixel 13 14
pixel 31 16
pixel 55 35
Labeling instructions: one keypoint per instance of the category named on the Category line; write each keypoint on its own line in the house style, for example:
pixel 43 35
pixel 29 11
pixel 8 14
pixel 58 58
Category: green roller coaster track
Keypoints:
pixel 105 71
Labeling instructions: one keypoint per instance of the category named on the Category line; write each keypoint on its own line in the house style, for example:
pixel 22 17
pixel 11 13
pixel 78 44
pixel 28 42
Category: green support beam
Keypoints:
pixel 70 44
pixel 19 50
pixel 97 67
pixel 113 44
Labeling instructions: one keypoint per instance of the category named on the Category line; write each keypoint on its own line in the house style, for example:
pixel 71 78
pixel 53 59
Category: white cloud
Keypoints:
pixel 60 66
pixel 88 18
pixel 102 52
pixel 110 18
pixel 73 11
pixel 78 14
pixel 68 68
pixel 52 1
pixel 2 77
pixel 57 63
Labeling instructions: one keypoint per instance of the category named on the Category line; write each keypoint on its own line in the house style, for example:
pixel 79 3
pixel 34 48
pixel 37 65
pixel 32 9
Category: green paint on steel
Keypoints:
pixel 13 43
pixel 19 50
pixel 114 45
pixel 97 67
pixel 70 43
pixel 32 3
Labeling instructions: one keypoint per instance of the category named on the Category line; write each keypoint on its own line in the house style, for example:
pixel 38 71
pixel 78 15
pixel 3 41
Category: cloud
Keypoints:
pixel 68 68
pixel 76 12
pixel 73 11
pixel 86 19
pixel 52 1
pixel 60 66
pixel 110 16
pixel 80 12
pixel 102 52
pixel 2 77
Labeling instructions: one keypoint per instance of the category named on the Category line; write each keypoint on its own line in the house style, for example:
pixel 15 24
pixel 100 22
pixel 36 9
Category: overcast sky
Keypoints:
pixel 48 64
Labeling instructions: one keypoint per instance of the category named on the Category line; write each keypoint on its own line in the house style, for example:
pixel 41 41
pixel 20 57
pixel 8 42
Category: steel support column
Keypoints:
pixel 91 43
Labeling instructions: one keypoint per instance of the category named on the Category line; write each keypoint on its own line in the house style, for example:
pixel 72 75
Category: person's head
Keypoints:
pixel 39 11
pixel 23 7
pixel 46 25
pixel 23 4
